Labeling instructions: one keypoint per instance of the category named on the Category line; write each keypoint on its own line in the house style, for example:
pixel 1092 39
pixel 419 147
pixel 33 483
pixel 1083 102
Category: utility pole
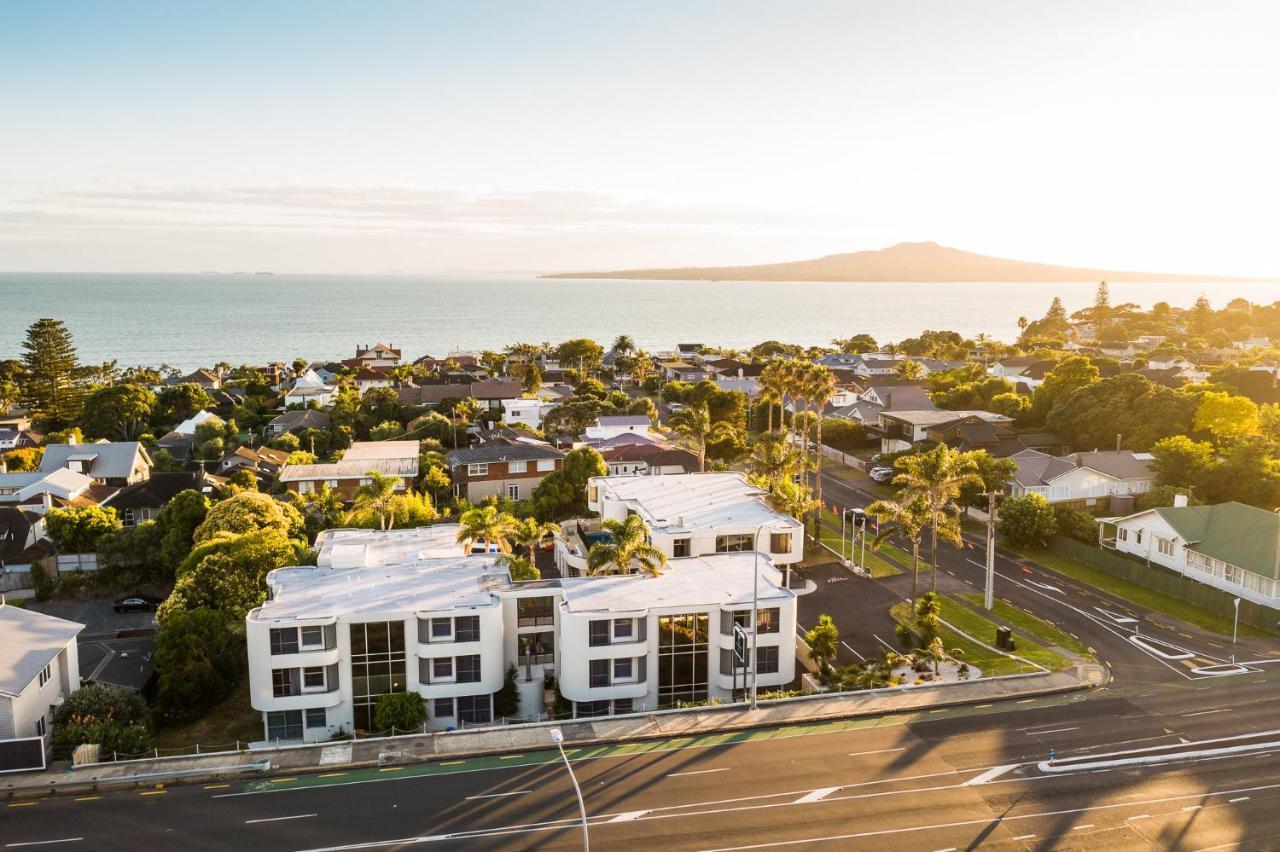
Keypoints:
pixel 988 596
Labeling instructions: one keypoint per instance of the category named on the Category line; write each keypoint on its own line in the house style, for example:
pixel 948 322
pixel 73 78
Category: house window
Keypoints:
pixel 768 620
pixel 468 669
pixel 313 637
pixel 466 628
pixel 474 470
pixel 40 727
pixel 442 708
pixel 441 629
pixel 535 612
pixel 537 649
pixel 474 709
pixel 313 677
pixel 590 709
pixel 127 519
pixel 284 682
pixel 598 632
pixel 306 487
pixel 680 548
pixel 733 543
pixel 442 669
pixel 623 669
pixel 284 725
pixel 622 705
pixel 284 640
pixel 599 673
pixel 513 491
pixel 364 480
pixel 517 467
pixel 1164 545
pixel 1122 534
pixel 45 674
pixel 780 542
pixel 546 465
pixel 317 718
pixel 332 483
pixel 623 629
pixel 767 660
pixel 593 493
pixel 377 666
pixel 1137 536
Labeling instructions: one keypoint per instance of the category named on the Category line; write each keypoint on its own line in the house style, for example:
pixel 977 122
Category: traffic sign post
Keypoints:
pixel 739 652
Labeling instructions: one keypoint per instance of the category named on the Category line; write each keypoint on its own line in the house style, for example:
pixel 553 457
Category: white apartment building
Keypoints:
pixel 691 514
pixel 386 612
pixel 39 667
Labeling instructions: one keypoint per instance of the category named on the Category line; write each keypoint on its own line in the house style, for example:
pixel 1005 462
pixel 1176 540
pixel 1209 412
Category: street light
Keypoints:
pixel 557 737
pixel 755 604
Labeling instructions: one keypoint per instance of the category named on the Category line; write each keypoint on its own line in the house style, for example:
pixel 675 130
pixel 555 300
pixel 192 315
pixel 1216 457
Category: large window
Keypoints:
pixel 682 658
pixel 466 628
pixel 1164 545
pixel 313 677
pixel 474 470
pixel 532 612
pixel 476 709
pixel 313 637
pixel 600 632
pixel 599 673
pixel 284 725
pixel 316 718
pixel 467 669
pixel 284 640
pixel 767 660
pixel 537 648
pixel 45 674
pixel 679 548
pixel 377 666
pixel 733 543
pixel 442 708
pixel 769 620
pixel 780 542
pixel 589 709
pixel 284 682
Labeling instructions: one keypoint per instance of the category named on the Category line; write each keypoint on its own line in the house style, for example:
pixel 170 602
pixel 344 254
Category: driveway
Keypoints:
pixel 99 620
pixel 859 607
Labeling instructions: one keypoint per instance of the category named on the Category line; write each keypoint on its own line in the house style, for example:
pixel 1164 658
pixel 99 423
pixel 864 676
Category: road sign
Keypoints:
pixel 740 643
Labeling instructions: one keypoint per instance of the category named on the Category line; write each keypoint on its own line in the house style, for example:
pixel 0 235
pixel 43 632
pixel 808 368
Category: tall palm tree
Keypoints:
pixel 821 385
pixel 623 344
pixel 771 384
pixel 529 533
pixel 628 545
pixel 695 424
pixel 325 503
pixel 906 518
pixel 379 496
pixel 773 459
pixel 935 652
pixel 487 525
pixel 937 478
pixel 519 567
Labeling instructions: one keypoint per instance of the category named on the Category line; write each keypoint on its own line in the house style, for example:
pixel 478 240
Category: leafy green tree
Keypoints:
pixel 81 529
pixel 586 354
pixel 531 381
pixel 936 653
pixel 1027 521
pixel 228 573
pixel 25 460
pixel 1070 375
pixel 177 523
pixel 399 712
pixel 695 425
pixel 176 403
pixel 200 657
pixel 378 406
pixel 247 513
pixel 1127 405
pixel 163 461
pixel 904 518
pixel 520 567
pixel 386 431
pixel 118 412
pixel 1013 405
pixel 627 545
pixel 927 611
pixel 487 525
pixel 1181 462
pixel 530 532
pixel 824 643
pixel 1248 472
pixel 1226 417
pixel 855 345
pixel 564 493
pixel 1076 523
pixel 114 717
pixel 937 478
pixel 571 418
pixel 241 480
pixel 51 389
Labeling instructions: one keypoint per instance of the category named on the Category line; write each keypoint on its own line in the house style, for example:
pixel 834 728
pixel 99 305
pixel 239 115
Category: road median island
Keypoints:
pixel 1168 753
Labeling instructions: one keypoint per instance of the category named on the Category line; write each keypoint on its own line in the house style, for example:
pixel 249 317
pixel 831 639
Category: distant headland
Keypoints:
pixel 904 262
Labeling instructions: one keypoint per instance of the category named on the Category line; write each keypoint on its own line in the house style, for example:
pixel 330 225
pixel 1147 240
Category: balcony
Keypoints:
pixel 574 543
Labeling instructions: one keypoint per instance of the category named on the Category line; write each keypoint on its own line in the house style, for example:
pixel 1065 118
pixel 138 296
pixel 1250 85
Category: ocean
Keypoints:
pixel 193 320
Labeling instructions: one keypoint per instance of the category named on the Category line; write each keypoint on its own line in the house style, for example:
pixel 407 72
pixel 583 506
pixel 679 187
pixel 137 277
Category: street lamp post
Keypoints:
pixel 557 737
pixel 1235 624
pixel 755 608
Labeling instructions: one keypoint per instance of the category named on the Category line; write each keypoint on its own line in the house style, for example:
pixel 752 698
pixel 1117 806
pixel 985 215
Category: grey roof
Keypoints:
pixel 1036 468
pixel 903 397
pixel 110 460
pixel 308 418
pixel 31 641
pixel 864 410
pixel 502 452
pixel 625 420
pixel 1122 464
pixel 939 417
pixel 156 491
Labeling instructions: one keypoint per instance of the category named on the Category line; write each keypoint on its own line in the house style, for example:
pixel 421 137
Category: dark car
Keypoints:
pixel 137 603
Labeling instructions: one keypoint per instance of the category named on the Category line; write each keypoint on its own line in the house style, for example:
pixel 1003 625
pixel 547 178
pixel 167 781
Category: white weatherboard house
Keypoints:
pixel 1081 477
pixel 405 610
pixel 611 426
pixel 39 667
pixel 690 514
pixel 1230 546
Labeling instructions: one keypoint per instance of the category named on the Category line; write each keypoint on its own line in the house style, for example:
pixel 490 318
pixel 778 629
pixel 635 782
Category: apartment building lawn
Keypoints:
pixel 991 663
pixel 1026 624
pixel 1140 596
pixel 232 719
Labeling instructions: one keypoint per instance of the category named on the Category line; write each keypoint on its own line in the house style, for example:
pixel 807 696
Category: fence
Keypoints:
pixel 1161 579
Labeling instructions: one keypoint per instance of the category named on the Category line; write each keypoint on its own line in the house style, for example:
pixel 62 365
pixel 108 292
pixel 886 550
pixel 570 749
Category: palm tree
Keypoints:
pixel 326 504
pixel 695 424
pixel 909 371
pixel 519 567
pixel 628 544
pixel 935 652
pixel 937 478
pixel 906 518
pixel 824 643
pixel 622 344
pixel 529 533
pixel 379 496
pixel 771 384
pixel 487 525
pixel 773 459
pixel 821 386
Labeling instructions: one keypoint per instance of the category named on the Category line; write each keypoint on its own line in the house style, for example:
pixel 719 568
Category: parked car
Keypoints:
pixel 137 603
pixel 882 474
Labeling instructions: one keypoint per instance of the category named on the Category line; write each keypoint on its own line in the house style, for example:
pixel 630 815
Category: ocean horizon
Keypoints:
pixel 190 320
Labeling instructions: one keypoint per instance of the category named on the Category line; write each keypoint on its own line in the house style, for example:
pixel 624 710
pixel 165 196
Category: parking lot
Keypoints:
pixel 859 607
pixel 99 620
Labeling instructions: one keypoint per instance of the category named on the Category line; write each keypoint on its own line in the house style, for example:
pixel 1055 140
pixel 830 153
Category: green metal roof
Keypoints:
pixel 1241 535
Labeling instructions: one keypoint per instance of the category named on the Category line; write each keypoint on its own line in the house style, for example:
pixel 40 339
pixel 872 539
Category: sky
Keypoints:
pixel 435 137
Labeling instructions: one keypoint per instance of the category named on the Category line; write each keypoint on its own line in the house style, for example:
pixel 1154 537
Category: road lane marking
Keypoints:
pixel 153 792
pixel 1192 808
pixel 1026 701
pixel 216 786
pixel 22 804
pixel 697 772
pixel 815 796
pixel 281 780
pixel 42 842
pixel 332 775
pixel 509 756
pixel 1025 837
pixel 87 798
pixel 500 795
pixel 1238 799
pixel 278 819
pixel 1053 731
pixel 386 769
pixel 1082 827
pixel 1139 816
pixel 983 706
pixel 628 816
pixel 1207 712
pixel 876 751
pixel 990 775
pixel 452 763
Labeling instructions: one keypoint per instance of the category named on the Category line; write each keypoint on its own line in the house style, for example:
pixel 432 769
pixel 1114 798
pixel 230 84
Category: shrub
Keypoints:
pixel 1027 521
pixel 114 717
pixel 1076 523
pixel 506 701
pixel 399 712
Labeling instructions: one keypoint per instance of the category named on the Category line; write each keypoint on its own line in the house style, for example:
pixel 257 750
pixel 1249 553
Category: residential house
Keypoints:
pixel 1025 373
pixel 39 668
pixel 611 426
pixel 1230 546
pixel 379 355
pixel 180 441
pixel 40 491
pixel 684 371
pixel 116 464
pixel 266 461
pixel 448 627
pixel 508 469
pixel 389 458
pixel 493 395
pixel 901 430
pixel 143 501
pixel 1261 342
pixel 18 439
pixel 526 412
pixel 972 433
pixel 299 421
pixel 648 460
pixel 205 379
pixel 23 548
pixel 368 378
pixel 1081 479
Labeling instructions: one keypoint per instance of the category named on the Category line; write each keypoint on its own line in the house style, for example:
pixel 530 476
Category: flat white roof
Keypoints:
pixel 315 593
pixel 369 450
pixel 700 582
pixel 355 548
pixel 29 641
pixel 685 501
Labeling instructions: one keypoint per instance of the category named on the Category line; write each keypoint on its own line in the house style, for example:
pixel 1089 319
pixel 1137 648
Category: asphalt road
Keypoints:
pixel 953 778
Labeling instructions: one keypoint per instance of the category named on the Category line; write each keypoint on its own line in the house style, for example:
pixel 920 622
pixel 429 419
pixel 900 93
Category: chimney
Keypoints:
pixel 1179 501
pixel 46 499
pixel 71 439
pixel 4 465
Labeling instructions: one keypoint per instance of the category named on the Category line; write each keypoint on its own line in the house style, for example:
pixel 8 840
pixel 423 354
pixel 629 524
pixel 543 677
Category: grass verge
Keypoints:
pixel 1030 626
pixel 1141 596
pixel 991 663
pixel 878 566
pixel 230 720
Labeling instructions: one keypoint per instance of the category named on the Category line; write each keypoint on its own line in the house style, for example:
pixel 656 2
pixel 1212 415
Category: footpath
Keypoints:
pixel 413 748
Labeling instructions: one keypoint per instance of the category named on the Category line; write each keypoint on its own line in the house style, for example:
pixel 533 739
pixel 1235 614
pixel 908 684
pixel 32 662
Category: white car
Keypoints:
pixel 882 474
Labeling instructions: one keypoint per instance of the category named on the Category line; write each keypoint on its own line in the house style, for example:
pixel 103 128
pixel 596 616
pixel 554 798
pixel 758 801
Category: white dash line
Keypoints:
pixel 1082 827
pixel 500 795
pixel 815 795
pixel 1054 731
pixel 697 772
pixel 876 751
pixel 1207 712
pixel 1025 837
pixel 1192 808
pixel 42 842
pixel 278 819
pixel 1139 816
pixel 1238 799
